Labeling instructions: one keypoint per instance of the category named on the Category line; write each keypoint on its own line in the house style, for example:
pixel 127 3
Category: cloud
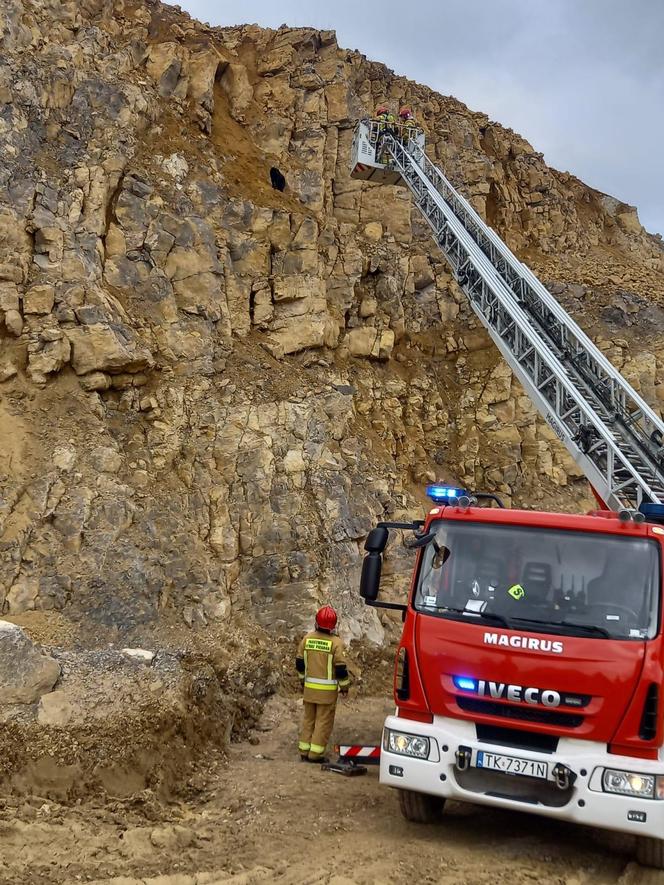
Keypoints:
pixel 582 81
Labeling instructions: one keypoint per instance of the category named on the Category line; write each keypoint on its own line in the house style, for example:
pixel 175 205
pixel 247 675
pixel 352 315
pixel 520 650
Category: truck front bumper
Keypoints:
pixel 583 800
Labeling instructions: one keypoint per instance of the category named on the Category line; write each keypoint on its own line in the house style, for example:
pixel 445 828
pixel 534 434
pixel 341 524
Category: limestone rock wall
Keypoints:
pixel 210 389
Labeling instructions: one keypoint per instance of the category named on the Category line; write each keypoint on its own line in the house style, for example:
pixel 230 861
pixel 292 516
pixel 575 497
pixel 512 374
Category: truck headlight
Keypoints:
pixel 407 744
pixel 628 783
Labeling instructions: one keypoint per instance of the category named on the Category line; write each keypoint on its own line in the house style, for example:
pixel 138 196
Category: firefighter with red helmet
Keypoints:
pixel 321 666
pixel 408 123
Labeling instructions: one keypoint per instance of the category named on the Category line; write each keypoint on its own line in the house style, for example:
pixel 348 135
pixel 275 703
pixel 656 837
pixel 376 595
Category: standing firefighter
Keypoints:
pixel 321 666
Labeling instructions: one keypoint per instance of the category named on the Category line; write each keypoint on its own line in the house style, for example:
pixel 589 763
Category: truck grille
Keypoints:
pixel 524 714
pixel 516 738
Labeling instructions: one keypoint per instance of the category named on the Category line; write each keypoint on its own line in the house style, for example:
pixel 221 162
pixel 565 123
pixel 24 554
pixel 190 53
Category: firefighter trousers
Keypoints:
pixel 316 729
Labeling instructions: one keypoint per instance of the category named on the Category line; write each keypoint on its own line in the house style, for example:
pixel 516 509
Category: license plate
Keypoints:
pixel 512 765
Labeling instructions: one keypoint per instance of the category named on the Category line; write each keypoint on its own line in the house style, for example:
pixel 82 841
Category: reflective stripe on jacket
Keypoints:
pixel 321 666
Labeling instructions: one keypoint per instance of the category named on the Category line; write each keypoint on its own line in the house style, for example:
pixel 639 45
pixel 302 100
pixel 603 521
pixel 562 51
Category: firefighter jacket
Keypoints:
pixel 321 666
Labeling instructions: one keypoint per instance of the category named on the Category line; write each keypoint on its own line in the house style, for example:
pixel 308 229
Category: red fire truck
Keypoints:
pixel 530 666
pixel 529 673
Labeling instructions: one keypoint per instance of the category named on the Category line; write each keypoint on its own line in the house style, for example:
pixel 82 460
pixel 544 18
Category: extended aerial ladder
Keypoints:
pixel 612 434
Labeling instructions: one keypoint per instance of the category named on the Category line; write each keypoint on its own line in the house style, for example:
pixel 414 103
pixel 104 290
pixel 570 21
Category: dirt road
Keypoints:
pixel 261 815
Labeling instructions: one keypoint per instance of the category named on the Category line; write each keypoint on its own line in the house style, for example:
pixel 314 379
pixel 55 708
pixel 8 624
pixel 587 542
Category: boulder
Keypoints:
pixel 202 70
pixel 373 231
pixel 14 322
pixel 302 334
pixel 105 348
pixel 96 381
pixel 106 459
pixel 7 370
pixel 178 168
pixel 55 709
pixel 9 296
pixel 183 262
pixel 422 272
pixel 39 299
pixel 629 220
pixel 140 655
pixel 165 66
pixel 368 307
pixel 370 342
pixel 47 357
pixel 26 673
pixel 22 595
pixel 293 288
pixel 49 241
pixel 337 99
pixel 236 85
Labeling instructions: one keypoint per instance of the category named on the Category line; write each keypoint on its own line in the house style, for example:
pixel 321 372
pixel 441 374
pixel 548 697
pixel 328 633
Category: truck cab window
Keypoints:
pixel 542 578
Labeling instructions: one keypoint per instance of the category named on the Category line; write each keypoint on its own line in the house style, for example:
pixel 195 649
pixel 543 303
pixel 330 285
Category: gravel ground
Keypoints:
pixel 260 815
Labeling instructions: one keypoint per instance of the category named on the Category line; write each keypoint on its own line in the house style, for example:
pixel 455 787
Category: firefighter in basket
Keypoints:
pixel 408 124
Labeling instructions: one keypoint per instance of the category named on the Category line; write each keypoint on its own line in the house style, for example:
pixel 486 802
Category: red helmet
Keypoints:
pixel 326 618
pixel 381 109
pixel 406 113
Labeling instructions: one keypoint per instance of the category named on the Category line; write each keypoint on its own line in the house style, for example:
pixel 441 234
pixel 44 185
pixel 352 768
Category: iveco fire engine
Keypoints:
pixel 529 673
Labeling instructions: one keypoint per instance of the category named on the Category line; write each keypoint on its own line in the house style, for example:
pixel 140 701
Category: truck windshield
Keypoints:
pixel 543 580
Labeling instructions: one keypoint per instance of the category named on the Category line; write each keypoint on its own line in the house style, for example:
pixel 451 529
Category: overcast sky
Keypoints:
pixel 582 80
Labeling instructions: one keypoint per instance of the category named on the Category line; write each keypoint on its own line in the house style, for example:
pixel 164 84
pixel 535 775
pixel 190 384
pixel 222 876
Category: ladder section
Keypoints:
pixel 611 433
pixel 618 397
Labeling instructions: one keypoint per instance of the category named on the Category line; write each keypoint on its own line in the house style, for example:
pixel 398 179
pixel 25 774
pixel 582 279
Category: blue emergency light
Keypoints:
pixel 465 683
pixel 444 494
pixel 652 512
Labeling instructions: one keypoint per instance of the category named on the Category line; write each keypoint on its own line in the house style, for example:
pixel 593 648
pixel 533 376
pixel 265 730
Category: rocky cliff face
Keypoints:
pixel 210 389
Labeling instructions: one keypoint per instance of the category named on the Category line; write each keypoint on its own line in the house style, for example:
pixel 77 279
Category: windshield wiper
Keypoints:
pixel 488 616
pixel 589 628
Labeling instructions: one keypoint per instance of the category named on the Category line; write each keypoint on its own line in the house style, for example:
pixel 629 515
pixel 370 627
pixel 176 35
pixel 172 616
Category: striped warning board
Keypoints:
pixel 359 753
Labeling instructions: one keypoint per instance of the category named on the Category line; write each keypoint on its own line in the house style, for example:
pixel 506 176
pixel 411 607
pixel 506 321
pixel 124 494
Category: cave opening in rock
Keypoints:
pixel 277 179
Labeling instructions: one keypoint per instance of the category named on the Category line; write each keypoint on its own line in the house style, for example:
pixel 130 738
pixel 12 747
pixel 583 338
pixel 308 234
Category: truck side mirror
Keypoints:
pixel 370 579
pixel 376 540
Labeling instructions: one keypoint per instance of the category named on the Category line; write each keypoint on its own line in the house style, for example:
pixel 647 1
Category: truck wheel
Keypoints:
pixel 420 807
pixel 650 852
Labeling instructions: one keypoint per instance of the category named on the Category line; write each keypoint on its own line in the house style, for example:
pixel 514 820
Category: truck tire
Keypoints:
pixel 650 852
pixel 420 807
